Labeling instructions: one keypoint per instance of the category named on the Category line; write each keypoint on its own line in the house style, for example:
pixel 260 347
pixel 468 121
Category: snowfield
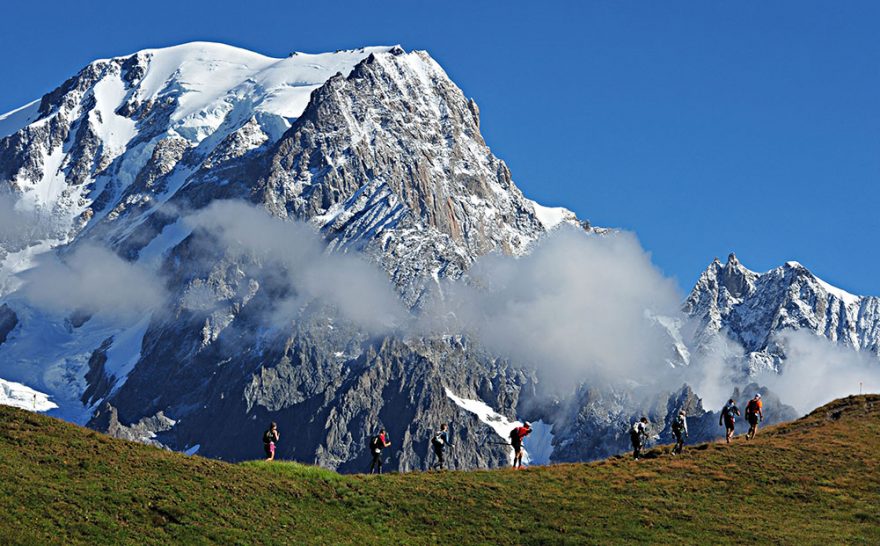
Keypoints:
pixel 24 397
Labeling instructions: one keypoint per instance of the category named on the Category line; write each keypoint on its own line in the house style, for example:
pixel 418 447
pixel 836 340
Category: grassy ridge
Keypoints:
pixel 816 480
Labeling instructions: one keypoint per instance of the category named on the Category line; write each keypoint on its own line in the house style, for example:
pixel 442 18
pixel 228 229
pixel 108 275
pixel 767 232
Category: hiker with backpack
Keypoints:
pixel 270 438
pixel 728 418
pixel 638 433
pixel 377 444
pixel 516 440
pixel 754 414
pixel 439 442
pixel 680 431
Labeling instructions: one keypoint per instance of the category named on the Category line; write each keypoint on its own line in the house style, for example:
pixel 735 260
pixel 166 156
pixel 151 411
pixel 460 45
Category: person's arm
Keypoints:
pixel 387 441
pixel 684 422
pixel 721 418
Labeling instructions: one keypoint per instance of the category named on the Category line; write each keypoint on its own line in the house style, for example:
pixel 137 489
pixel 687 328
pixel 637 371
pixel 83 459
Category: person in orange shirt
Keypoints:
pixel 754 414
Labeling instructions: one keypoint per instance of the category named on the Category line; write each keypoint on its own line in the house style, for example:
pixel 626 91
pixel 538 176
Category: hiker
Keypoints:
pixel 516 440
pixel 440 442
pixel 680 431
pixel 377 444
pixel 270 438
pixel 728 418
pixel 754 414
pixel 637 435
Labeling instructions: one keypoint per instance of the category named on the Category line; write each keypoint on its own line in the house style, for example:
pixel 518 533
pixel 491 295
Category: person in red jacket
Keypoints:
pixel 377 444
pixel 516 440
pixel 754 414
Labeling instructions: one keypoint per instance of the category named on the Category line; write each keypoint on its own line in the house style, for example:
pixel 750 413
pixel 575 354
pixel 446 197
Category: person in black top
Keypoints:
pixel 728 418
pixel 439 443
pixel 270 438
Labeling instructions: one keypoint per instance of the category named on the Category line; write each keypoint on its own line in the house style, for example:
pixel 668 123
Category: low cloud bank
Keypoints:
pixel 817 371
pixel 580 307
pixel 92 279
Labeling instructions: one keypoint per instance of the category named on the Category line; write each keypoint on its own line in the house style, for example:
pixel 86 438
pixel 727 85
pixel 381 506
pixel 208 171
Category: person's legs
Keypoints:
pixel 439 454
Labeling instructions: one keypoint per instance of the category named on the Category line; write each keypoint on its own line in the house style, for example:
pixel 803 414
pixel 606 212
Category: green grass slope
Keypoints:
pixel 813 481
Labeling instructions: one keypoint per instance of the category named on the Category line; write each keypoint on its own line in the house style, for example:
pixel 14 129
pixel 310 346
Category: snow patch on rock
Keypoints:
pixel 24 397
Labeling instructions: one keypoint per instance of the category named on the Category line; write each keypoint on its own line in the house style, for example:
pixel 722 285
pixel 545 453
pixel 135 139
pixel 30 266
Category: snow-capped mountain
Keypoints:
pixel 376 147
pixel 752 309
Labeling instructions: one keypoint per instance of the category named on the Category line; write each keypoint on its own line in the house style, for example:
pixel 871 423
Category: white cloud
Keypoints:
pixel 359 290
pixel 92 279
pixel 817 371
pixel 573 308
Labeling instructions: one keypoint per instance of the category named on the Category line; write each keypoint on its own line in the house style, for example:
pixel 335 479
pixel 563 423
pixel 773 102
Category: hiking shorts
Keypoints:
pixel 269 448
pixel 517 449
pixel 752 419
pixel 729 424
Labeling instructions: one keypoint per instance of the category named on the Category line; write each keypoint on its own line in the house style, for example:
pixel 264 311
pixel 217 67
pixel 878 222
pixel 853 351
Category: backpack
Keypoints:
pixel 437 441
pixel 635 432
pixel 375 443
pixel 677 425
pixel 268 437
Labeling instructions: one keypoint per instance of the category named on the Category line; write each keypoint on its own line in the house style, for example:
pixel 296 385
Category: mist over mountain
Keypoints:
pixel 199 239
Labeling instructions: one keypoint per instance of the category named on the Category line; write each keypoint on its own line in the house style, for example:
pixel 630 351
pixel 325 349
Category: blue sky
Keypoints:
pixel 705 127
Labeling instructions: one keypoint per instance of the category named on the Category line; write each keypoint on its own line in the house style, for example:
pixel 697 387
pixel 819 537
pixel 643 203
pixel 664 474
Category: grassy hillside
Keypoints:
pixel 816 480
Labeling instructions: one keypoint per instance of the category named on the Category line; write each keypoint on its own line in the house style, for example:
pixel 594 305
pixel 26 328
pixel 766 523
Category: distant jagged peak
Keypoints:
pixel 739 280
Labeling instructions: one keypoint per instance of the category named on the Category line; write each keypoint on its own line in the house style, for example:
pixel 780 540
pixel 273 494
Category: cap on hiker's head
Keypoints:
pixel 682 412
pixel 528 425
pixel 758 395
